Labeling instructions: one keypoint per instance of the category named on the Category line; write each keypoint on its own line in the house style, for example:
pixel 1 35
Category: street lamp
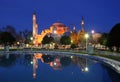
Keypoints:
pixel 92 31
pixel 31 38
pixel 71 41
pixel 93 37
pixel 86 37
pixel 92 34
pixel 18 43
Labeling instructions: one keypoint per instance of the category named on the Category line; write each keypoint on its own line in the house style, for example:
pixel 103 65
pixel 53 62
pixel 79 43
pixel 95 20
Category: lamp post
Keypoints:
pixel 93 38
pixel 92 34
pixel 31 38
pixel 86 37
pixel 92 31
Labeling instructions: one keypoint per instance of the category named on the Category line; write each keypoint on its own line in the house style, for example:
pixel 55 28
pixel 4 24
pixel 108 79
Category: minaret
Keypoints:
pixel 74 28
pixel 35 25
pixel 35 66
pixel 36 28
pixel 82 24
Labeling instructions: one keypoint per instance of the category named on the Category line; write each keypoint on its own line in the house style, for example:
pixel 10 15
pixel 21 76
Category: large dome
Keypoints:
pixel 58 24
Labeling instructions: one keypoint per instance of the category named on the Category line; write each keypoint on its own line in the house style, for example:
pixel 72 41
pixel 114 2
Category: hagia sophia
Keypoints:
pixel 58 29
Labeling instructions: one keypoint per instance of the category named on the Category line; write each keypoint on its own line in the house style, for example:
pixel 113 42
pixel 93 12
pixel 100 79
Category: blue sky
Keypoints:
pixel 100 15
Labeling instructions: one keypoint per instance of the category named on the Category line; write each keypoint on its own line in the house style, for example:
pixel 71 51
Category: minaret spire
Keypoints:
pixel 35 25
pixel 74 28
pixel 82 23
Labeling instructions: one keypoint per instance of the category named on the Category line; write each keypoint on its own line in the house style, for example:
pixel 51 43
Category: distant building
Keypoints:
pixel 56 29
pixel 78 37
pixel 96 36
pixel 74 36
pixel 81 34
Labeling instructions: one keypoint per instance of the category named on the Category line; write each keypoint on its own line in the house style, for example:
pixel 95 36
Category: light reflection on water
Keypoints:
pixel 58 62
pixel 53 68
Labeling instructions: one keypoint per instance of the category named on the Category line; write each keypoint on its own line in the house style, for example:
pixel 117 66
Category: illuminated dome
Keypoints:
pixel 58 24
pixel 58 28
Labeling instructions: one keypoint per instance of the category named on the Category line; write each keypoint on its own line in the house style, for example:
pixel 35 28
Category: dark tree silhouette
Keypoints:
pixel 47 39
pixel 114 37
pixel 65 40
pixel 73 46
pixel 10 29
pixel 6 38
pixel 103 39
pixel 26 35
pixel 7 62
pixel 65 61
pixel 47 58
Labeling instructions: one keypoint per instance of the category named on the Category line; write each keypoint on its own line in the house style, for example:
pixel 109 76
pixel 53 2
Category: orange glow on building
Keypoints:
pixel 38 56
pixel 56 65
pixel 57 28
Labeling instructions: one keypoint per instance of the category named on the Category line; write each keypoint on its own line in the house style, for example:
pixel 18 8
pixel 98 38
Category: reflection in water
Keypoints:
pixel 7 60
pixel 35 66
pixel 57 62
pixel 35 63
pixel 53 68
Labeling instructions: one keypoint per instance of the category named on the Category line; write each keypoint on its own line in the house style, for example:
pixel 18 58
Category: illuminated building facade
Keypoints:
pixel 78 37
pixel 57 28
pixel 58 62
pixel 74 36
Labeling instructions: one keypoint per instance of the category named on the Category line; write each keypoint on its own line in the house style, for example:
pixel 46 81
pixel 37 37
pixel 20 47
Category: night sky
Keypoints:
pixel 100 15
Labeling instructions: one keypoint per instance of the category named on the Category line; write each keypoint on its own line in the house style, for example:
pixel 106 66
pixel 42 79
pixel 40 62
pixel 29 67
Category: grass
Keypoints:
pixel 109 56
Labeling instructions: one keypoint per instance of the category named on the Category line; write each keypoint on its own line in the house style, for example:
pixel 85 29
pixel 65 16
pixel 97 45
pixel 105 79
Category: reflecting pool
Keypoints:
pixel 54 68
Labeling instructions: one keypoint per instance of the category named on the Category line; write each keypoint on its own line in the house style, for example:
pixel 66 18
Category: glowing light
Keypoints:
pixel 71 56
pixel 31 62
pixel 92 31
pixel 86 36
pixel 86 69
pixel 31 38
pixel 55 31
pixel 82 22
pixel 71 41
pixel 54 63
pixel 27 45
pixel 18 43
pixel 34 75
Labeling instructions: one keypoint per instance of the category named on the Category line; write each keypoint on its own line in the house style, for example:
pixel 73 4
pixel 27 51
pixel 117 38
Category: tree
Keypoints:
pixel 65 61
pixel 47 58
pixel 114 37
pixel 73 46
pixel 10 29
pixel 7 62
pixel 65 40
pixel 6 38
pixel 47 39
pixel 103 39
pixel 26 35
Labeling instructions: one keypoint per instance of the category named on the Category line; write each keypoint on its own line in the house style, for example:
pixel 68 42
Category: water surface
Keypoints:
pixel 53 68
